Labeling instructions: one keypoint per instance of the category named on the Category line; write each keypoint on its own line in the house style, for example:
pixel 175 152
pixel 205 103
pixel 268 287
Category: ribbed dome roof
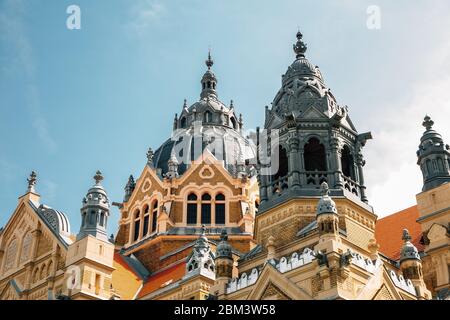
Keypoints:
pixel 226 144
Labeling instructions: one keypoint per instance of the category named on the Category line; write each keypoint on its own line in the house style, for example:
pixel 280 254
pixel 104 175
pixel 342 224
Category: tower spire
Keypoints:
pixel 300 47
pixel 433 157
pixel 209 80
pixel 209 62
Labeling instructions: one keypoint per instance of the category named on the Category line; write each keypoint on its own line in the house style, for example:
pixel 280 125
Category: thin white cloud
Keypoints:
pixel 21 60
pixel 144 13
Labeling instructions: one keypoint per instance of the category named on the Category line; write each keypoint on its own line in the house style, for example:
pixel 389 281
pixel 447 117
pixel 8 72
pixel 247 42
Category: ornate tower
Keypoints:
pixel 411 266
pixel 89 262
pixel 317 140
pixel 433 157
pixel 310 140
pixel 433 204
pixel 95 211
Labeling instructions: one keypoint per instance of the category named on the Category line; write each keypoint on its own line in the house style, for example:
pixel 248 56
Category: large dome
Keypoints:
pixel 208 124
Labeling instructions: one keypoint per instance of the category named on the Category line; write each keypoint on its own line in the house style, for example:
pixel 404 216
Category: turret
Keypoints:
pixel 327 216
pixel 95 211
pixel 433 157
pixel 411 266
pixel 224 259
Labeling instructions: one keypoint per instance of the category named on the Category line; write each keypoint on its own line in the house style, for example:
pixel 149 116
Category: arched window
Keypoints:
pixel 137 225
pixel 315 158
pixel 183 122
pixel 102 219
pixel 283 165
pixel 207 117
pixel 209 84
pixel 11 253
pixel 26 247
pixel 204 85
pixel 83 220
pixel 220 209
pixel 206 209
pixel 233 123
pixel 347 163
pixel 93 218
pixel 146 220
pixel 154 216
pixel 192 209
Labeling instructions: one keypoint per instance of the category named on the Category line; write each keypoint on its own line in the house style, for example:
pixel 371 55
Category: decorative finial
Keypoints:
pixel 150 155
pixel 209 62
pixel 173 157
pixel 203 229
pixel 300 47
pixel 428 123
pixel 224 235
pixel 406 236
pixel 32 181
pixel 231 104
pixel 185 103
pixel 98 177
pixel 324 189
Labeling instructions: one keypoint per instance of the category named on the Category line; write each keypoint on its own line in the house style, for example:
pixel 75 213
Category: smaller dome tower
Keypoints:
pixel 209 80
pixel 327 216
pixel 95 211
pixel 433 157
pixel 411 266
pixel 224 258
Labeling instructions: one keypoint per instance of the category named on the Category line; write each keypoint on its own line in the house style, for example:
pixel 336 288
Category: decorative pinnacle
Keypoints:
pixel 428 123
pixel 98 177
pixel 150 155
pixel 406 236
pixel 324 189
pixel 224 235
pixel 32 181
pixel 300 47
pixel 203 230
pixel 185 103
pixel 209 63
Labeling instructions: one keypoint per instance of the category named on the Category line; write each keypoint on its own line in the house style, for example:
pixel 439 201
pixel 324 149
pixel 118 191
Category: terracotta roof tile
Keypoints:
pixel 163 278
pixel 388 231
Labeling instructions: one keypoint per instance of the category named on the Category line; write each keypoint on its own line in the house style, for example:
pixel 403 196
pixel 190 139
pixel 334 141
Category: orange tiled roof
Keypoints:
pixel 120 260
pixel 388 231
pixel 167 277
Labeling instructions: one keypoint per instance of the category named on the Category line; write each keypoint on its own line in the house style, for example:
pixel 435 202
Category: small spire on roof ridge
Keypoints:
pixel 32 181
pixel 210 62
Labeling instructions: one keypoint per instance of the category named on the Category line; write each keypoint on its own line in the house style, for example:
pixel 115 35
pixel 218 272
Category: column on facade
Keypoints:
pixel 360 163
pixel 262 182
pixel 336 165
pixel 294 163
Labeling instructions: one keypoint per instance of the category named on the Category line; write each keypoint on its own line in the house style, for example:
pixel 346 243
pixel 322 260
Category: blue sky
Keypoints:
pixel 74 101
